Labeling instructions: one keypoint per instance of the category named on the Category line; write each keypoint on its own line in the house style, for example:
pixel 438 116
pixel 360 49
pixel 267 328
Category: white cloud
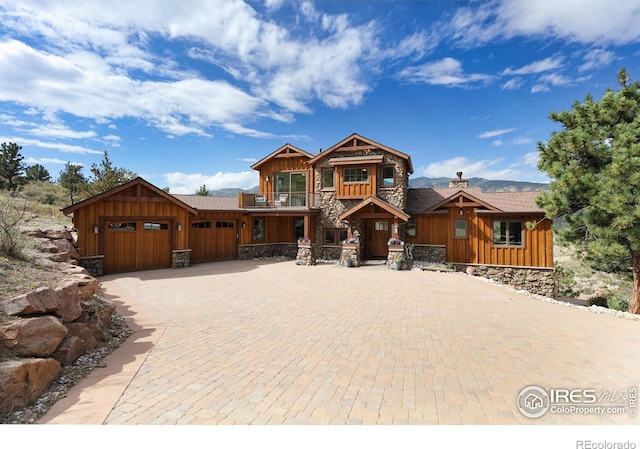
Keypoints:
pixel 189 183
pixel 540 88
pixel 543 65
pixel 512 84
pixel 495 133
pixel 64 148
pixel 445 72
pixel 531 159
pixel 596 59
pixel 470 168
pixel 582 21
pixel 46 160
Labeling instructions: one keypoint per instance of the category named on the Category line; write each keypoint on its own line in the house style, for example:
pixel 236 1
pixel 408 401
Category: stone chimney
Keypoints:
pixel 459 182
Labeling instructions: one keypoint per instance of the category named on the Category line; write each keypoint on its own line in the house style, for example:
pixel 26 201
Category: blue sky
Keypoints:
pixel 192 93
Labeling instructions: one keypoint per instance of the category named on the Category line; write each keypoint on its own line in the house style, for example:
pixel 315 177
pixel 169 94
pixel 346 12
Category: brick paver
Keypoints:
pixel 262 342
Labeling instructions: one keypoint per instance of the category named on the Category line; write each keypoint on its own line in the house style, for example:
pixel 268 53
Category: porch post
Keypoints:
pixel 307 224
pixel 396 228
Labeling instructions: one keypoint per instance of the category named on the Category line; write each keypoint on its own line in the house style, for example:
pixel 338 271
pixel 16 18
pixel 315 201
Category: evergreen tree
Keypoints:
pixel 595 165
pixel 72 179
pixel 11 167
pixel 105 176
pixel 203 191
pixel 37 172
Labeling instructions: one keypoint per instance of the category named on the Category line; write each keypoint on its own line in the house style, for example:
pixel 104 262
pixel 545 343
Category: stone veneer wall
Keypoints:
pixel 306 255
pixel 265 250
pixel 329 252
pixel 181 258
pixel 93 264
pixel 429 253
pixel 536 280
pixel 332 208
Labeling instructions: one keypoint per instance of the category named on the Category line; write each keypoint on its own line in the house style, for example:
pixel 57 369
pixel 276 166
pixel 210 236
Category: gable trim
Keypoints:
pixel 137 181
pixel 277 152
pixel 459 196
pixel 396 212
pixel 372 143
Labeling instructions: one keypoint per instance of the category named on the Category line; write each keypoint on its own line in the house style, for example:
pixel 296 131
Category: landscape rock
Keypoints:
pixel 24 381
pixel 87 285
pixel 36 302
pixel 65 246
pixel 32 337
pixel 69 306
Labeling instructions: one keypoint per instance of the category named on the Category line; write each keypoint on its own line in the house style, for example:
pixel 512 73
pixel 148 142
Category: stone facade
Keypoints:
pixel 350 255
pixel 93 264
pixel 181 258
pixel 306 254
pixel 267 250
pixel 539 281
pixel 429 253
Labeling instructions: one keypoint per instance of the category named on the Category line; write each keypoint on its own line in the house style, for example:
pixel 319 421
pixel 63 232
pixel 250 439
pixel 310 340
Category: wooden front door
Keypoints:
pixel 379 235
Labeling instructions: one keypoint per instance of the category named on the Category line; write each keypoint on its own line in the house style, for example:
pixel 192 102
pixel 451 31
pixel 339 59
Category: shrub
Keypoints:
pixel 12 213
pixel 566 281
pixel 618 301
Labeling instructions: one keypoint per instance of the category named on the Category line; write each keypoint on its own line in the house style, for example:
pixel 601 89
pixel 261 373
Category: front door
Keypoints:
pixel 379 235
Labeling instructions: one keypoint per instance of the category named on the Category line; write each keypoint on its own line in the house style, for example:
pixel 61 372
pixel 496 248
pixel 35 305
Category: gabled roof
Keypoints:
pixel 428 200
pixel 393 210
pixel 137 181
pixel 287 150
pixel 369 143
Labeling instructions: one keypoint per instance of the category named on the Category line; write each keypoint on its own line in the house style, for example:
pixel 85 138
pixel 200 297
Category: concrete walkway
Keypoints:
pixel 262 342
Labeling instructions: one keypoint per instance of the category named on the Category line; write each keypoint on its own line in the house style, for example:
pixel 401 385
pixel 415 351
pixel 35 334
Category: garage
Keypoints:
pixel 136 245
pixel 212 240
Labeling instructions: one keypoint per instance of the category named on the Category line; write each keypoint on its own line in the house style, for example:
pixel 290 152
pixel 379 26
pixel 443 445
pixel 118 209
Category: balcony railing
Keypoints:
pixel 274 200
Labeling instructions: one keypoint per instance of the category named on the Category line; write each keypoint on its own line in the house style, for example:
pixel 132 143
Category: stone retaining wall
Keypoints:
pixel 93 264
pixel 181 258
pixel 539 281
pixel 265 250
pixel 429 253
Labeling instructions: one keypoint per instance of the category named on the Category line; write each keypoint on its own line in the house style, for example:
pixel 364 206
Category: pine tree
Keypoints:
pixel 11 167
pixel 203 191
pixel 37 172
pixel 105 176
pixel 595 165
pixel 72 179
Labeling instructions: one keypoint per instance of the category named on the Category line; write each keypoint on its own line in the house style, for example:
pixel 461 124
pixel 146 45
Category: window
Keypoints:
pixel 411 228
pixel 294 185
pixel 356 174
pixel 460 229
pixel 382 226
pixel 122 227
pixel 327 178
pixel 224 224
pixel 201 225
pixel 507 233
pixel 258 229
pixel 388 176
pixel 298 228
pixel 332 236
pixel 155 226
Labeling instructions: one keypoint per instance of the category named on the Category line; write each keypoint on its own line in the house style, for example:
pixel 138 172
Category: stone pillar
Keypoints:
pixel 350 255
pixel 396 254
pixel 306 254
pixel 181 258
pixel 93 264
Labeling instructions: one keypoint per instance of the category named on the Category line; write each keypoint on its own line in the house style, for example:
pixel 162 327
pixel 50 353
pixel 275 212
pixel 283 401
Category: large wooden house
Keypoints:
pixel 357 189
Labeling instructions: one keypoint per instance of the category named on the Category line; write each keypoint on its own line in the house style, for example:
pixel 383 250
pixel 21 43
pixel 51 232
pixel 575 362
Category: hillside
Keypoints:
pixel 487 185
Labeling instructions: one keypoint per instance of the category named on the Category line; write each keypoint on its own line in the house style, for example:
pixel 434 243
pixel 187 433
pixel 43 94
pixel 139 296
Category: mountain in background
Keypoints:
pixel 487 185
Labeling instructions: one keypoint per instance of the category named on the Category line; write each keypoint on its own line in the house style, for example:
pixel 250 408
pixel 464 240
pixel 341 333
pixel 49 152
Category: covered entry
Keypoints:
pixel 381 221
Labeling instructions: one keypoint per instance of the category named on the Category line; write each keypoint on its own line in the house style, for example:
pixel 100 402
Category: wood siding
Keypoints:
pixel 478 247
pixel 355 190
pixel 281 164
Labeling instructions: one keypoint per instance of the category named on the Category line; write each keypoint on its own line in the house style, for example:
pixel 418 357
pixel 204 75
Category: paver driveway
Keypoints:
pixel 262 342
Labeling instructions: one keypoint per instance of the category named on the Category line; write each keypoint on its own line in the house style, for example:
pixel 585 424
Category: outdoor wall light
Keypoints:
pixel 95 229
pixel 179 227
pixel 244 225
pixel 266 178
pixel 460 212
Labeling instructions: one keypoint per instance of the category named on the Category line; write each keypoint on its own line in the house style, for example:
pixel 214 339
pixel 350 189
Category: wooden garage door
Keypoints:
pixel 212 240
pixel 136 245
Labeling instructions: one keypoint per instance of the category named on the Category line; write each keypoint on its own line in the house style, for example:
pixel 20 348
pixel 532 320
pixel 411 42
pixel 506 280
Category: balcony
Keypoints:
pixel 292 200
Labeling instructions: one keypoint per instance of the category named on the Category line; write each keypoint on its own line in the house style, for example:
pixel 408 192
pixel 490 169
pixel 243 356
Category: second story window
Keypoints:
pixel 388 176
pixel 356 174
pixel 327 178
